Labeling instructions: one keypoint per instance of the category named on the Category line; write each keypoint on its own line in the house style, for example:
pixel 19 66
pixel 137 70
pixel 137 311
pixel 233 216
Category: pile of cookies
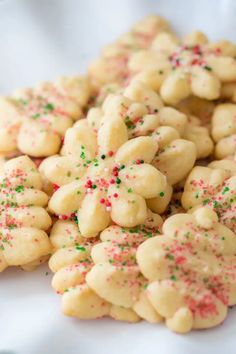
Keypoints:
pixel 124 180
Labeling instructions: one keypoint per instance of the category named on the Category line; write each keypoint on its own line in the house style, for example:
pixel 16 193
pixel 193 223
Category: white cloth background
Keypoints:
pixel 42 39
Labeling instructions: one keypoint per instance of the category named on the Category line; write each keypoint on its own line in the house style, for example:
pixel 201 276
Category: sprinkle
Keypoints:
pixel 19 189
pixel 55 187
pixel 103 157
pixel 49 107
pixel 82 155
pixel 226 189
pixel 207 68
pixel 35 116
pixel 80 248
pixel 110 153
pixel 76 219
pixel 118 180
pixel 161 194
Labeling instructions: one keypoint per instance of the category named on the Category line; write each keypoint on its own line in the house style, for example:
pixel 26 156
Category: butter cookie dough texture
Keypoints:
pixel 99 277
pixel 191 270
pixel 34 121
pixel 214 187
pixel 23 217
pixel 184 68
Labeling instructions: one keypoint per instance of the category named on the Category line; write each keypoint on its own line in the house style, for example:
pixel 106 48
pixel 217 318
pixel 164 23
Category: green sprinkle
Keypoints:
pixel 170 257
pixel 118 180
pixel 173 277
pixel 80 248
pixel 130 190
pixel 161 194
pixel 226 189
pixel 94 186
pixel 19 189
pixel 76 219
pixel 206 67
pixel 206 201
pixel 82 155
pixel 49 107
pixel 35 116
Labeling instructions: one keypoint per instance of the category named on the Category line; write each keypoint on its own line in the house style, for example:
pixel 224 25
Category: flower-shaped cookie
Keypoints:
pixel 23 219
pixel 224 130
pixel 114 184
pixel 191 270
pixel 112 64
pixel 35 120
pixel 179 69
pixel 99 278
pixel 214 187
pixel 147 116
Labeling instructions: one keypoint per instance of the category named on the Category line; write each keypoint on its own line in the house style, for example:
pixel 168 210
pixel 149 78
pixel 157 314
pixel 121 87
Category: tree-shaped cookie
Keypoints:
pixel 179 69
pixel 35 120
pixel 191 270
pixel 23 218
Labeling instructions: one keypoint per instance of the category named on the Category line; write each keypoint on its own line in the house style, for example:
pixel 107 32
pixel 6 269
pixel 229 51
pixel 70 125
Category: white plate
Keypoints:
pixel 41 40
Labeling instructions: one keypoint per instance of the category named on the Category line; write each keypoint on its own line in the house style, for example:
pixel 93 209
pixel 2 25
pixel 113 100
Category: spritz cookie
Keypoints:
pixel 111 66
pixel 77 259
pixel 214 187
pixel 34 121
pixel 191 270
pixel 192 66
pixel 23 218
